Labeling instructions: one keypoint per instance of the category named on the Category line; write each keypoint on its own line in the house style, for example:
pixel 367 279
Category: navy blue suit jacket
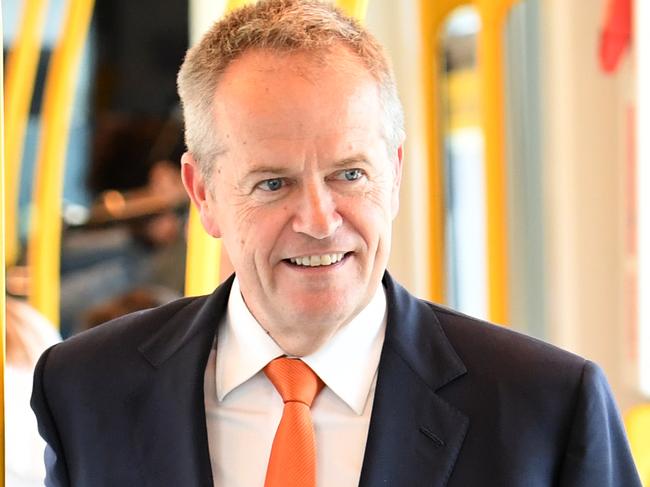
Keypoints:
pixel 459 403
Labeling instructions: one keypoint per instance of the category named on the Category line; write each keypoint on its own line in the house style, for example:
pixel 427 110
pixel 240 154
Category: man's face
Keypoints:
pixel 305 191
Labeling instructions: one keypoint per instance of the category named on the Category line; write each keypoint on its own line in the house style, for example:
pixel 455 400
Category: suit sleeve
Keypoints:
pixel 597 452
pixel 55 465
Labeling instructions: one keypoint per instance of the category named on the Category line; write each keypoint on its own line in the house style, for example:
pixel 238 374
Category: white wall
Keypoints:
pixel 584 177
pixel 203 13
pixel 642 61
pixel 397 26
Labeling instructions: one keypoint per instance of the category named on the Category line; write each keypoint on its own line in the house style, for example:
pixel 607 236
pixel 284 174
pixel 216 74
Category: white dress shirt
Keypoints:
pixel 243 409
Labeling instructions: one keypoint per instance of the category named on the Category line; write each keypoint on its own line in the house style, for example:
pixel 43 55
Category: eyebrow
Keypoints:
pixel 281 171
pixel 349 161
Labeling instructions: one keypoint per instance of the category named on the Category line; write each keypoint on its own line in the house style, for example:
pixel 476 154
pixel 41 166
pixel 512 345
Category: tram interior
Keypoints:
pixel 520 206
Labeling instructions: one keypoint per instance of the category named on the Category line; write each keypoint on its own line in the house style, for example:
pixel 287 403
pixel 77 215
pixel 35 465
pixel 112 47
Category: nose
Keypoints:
pixel 317 215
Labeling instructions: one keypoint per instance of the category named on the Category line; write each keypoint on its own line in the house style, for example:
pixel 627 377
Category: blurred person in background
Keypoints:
pixel 28 334
pixel 138 299
pixel 135 234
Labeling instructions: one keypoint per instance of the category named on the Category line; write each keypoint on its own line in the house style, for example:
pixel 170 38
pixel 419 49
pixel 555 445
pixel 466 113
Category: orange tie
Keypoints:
pixel 293 454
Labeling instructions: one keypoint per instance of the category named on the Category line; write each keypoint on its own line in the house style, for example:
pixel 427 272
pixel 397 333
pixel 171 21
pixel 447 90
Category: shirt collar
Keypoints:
pixel 243 347
pixel 347 363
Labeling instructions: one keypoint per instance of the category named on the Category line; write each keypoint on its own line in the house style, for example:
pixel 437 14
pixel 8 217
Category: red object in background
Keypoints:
pixel 616 33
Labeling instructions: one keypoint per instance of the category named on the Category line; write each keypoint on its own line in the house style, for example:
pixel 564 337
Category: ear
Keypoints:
pixel 397 161
pixel 199 193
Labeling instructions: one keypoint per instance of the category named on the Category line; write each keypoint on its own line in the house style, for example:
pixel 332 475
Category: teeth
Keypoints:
pixel 317 260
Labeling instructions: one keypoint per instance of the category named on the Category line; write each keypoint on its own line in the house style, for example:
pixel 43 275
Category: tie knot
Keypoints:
pixel 294 380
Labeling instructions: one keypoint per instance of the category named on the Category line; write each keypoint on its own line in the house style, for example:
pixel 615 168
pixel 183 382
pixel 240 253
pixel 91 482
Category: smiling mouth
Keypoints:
pixel 318 260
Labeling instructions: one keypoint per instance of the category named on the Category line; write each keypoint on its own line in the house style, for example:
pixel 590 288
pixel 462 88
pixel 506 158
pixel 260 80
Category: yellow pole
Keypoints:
pixel 354 8
pixel 203 257
pixel 44 248
pixel 2 278
pixel 22 63
pixel 491 67
pixel 637 426
pixel 235 4
pixel 433 16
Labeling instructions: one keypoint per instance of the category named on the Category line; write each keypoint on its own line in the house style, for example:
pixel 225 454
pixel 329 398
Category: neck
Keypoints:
pixel 297 343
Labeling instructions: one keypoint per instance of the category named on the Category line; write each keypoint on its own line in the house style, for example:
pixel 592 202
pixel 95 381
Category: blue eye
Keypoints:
pixel 271 184
pixel 352 174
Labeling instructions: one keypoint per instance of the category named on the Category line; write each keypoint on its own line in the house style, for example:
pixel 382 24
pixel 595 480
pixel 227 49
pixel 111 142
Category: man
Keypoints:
pixel 294 134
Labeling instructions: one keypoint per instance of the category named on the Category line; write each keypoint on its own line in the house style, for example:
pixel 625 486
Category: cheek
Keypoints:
pixel 257 231
pixel 375 204
pixel 369 217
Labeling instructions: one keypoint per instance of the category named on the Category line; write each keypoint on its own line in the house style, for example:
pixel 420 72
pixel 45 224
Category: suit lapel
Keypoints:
pixel 415 436
pixel 169 427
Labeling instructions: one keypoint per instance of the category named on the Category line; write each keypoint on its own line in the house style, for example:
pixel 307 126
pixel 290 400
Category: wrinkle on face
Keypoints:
pixel 306 131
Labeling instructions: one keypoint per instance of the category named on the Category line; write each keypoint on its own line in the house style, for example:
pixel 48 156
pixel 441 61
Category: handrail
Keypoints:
pixel 44 248
pixel 433 15
pixel 490 69
pixel 22 64
pixel 203 258
pixel 203 255
pixel 354 8
pixel 235 4
pixel 637 426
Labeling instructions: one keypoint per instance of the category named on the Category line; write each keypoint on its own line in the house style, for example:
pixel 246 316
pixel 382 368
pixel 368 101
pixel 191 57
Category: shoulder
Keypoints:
pixel 116 343
pixel 526 379
pixel 133 326
pixel 426 333
pixel 490 350
pixel 470 334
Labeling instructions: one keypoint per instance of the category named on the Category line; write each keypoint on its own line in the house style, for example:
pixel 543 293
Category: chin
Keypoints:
pixel 326 312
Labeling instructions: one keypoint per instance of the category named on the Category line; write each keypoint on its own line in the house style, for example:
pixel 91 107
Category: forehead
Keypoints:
pixel 296 92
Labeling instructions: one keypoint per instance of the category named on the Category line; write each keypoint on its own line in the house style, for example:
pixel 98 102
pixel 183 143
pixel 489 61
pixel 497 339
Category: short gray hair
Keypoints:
pixel 278 25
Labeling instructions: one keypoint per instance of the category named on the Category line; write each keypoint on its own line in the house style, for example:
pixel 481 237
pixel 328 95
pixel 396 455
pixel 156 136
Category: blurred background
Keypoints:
pixel 526 191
